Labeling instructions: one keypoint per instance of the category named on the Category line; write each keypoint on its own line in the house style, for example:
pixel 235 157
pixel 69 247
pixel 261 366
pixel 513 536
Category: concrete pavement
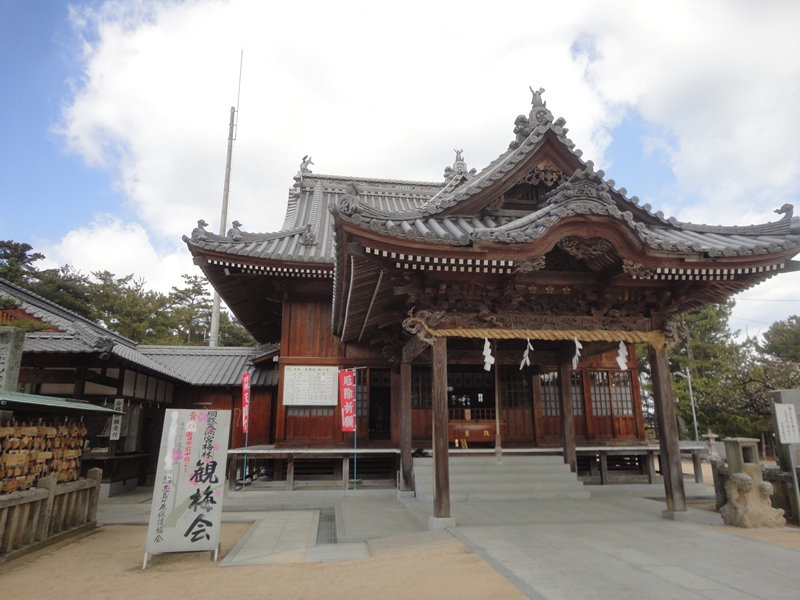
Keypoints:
pixel 614 545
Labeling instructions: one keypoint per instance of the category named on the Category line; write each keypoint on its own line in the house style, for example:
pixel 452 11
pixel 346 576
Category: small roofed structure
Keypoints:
pixel 537 267
pixel 67 356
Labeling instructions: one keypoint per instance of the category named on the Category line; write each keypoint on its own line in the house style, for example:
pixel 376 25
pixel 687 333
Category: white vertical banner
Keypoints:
pixel 187 500
pixel 116 420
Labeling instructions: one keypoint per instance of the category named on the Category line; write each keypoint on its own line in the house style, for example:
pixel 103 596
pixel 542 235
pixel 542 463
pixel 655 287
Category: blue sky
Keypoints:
pixel 36 63
pixel 114 114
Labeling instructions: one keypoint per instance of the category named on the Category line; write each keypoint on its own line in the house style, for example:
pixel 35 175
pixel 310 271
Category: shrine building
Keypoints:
pixel 498 310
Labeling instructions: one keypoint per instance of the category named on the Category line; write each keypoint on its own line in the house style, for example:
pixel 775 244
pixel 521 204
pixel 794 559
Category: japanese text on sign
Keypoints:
pixel 187 507
pixel 116 420
pixel 786 418
pixel 347 398
pixel 245 401
pixel 309 386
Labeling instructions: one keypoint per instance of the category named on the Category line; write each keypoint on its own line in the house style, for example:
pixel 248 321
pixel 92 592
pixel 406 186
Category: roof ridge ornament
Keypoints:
pixel 537 97
pixel 786 210
pixel 308 238
pixel 235 232
pixel 459 168
pixel 539 116
pixel 199 232
pixel 347 204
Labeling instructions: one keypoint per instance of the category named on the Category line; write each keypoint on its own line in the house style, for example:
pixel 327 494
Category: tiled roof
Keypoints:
pixel 585 194
pixel 432 212
pixel 58 316
pixel 201 365
pixel 307 235
pixel 198 365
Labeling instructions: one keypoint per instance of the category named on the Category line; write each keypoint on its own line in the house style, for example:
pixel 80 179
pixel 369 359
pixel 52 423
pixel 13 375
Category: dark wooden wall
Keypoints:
pixel 230 398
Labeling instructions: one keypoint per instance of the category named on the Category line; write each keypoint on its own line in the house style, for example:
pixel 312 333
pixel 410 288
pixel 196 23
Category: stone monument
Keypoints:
pixel 11 341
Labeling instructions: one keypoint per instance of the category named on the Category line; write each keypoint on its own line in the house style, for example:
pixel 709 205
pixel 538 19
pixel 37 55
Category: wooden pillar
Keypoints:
pixel 346 472
pixel 567 415
pixel 441 467
pixel 405 425
pixel 670 456
pixel 280 412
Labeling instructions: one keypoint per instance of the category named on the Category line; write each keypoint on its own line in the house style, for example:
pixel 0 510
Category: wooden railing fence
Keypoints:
pixel 35 518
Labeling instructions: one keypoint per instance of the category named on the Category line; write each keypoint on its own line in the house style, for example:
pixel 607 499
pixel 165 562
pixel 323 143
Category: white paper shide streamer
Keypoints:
pixel 488 359
pixel 622 356
pixel 576 359
pixel 526 356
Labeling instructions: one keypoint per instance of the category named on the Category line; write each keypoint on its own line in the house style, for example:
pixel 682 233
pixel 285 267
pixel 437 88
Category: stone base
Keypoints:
pixel 675 515
pixel 406 494
pixel 437 523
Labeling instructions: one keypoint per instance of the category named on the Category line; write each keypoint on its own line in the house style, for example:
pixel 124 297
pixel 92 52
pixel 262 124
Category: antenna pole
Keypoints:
pixel 213 335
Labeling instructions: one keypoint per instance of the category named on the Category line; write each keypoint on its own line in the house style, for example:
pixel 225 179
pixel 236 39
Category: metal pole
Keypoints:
pixel 213 334
pixel 355 439
pixel 688 377
pixel 498 445
pixel 691 399
pixel 244 468
pixel 794 478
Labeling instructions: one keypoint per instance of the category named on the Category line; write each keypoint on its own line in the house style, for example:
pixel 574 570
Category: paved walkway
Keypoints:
pixel 615 545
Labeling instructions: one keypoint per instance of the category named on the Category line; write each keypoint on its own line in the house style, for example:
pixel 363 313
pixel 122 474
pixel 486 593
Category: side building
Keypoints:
pixel 68 356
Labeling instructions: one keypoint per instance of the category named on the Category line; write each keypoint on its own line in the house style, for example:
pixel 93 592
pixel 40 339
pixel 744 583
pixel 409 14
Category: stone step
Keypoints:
pixel 489 470
pixel 509 496
pixel 480 478
pixel 427 482
pixel 491 458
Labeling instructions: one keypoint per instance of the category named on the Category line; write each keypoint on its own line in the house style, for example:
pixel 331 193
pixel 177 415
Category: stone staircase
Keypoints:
pixel 478 478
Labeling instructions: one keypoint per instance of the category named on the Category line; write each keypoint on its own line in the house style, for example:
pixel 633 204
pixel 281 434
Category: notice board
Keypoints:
pixel 310 386
pixel 186 512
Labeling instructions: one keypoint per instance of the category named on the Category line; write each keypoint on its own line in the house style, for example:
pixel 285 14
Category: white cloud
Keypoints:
pixel 108 244
pixel 388 91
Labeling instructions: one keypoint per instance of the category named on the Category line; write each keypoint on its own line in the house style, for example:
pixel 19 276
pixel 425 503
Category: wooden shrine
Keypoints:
pixel 536 268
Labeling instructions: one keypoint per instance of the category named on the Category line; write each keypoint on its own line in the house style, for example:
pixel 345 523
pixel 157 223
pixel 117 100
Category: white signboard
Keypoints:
pixel 310 386
pixel 187 500
pixel 116 420
pixel 786 418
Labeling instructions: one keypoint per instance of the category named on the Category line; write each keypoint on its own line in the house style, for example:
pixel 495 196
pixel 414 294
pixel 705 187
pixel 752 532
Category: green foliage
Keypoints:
pixel 66 286
pixel 16 261
pixel 782 339
pixel 191 309
pixel 731 380
pixel 124 304
pixel 231 332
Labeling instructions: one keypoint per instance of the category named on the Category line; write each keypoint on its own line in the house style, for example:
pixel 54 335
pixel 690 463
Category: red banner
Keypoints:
pixel 347 398
pixel 245 400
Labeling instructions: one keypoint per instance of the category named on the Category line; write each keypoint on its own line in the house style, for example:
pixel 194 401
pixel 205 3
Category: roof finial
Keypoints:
pixel 537 97
pixel 459 166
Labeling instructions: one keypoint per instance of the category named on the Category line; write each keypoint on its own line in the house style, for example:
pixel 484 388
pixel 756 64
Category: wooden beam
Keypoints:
pixel 670 457
pixel 441 466
pixel 567 415
pixel 405 426
pixel 413 348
